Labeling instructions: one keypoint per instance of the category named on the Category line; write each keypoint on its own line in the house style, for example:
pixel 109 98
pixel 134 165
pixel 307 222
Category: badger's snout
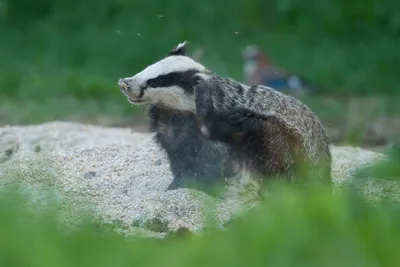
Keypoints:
pixel 129 89
pixel 123 85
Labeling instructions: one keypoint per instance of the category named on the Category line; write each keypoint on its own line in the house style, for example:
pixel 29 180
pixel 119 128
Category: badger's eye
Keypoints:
pixel 156 82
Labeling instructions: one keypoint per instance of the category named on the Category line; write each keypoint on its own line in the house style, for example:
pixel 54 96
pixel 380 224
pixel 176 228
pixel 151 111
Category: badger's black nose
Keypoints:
pixel 123 85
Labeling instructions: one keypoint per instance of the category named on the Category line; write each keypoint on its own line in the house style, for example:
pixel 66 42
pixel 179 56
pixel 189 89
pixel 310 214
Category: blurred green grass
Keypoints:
pixel 290 228
pixel 58 58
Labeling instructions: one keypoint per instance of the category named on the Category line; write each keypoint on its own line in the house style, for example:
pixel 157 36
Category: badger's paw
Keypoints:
pixel 239 119
pixel 218 128
pixel 232 125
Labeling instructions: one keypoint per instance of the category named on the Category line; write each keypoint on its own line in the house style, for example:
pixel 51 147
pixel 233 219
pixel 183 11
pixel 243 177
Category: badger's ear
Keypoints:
pixel 179 50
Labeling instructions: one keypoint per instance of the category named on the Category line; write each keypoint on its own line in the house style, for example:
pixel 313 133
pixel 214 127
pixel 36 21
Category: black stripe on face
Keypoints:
pixel 183 79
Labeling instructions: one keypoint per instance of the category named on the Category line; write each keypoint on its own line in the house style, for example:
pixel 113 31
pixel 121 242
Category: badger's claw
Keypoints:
pixel 205 131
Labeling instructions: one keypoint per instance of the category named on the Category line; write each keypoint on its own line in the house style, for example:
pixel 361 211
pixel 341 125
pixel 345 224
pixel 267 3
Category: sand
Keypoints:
pixel 118 175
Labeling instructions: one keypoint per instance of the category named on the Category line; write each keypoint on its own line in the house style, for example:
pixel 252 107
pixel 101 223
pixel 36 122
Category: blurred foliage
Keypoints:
pixel 388 169
pixel 81 47
pixel 339 18
pixel 291 228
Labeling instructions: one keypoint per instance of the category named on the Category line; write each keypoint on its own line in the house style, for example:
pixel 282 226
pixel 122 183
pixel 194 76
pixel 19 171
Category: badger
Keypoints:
pixel 195 161
pixel 254 130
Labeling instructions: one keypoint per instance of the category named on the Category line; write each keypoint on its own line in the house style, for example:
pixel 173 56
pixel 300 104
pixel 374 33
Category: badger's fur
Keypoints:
pixel 194 159
pixel 271 134
pixel 267 133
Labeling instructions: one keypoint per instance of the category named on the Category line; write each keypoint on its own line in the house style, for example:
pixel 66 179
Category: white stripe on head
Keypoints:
pixel 167 65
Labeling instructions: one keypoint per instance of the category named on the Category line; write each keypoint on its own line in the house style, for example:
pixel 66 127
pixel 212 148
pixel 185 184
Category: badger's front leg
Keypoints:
pixel 204 107
pixel 212 122
pixel 226 126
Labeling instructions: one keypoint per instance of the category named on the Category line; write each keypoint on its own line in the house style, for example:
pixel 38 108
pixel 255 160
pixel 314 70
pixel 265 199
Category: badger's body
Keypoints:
pixel 264 132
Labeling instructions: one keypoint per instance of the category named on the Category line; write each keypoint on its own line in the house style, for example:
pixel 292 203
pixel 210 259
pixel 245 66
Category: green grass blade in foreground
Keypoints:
pixel 289 229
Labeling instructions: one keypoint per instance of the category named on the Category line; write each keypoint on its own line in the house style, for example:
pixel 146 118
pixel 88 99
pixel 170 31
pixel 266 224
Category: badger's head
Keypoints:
pixel 169 81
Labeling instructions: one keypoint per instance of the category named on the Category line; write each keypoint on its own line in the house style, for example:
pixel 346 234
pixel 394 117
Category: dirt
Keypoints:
pixel 119 175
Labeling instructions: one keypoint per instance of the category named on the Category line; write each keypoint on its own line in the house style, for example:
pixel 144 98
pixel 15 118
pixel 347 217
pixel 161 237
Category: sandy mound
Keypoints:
pixel 118 174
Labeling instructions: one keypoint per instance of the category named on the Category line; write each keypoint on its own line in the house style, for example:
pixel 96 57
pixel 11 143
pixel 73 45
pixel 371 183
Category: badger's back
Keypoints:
pixel 295 114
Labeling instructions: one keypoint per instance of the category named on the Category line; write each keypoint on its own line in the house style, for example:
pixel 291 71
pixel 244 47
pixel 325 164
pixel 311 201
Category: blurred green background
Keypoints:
pixel 60 60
